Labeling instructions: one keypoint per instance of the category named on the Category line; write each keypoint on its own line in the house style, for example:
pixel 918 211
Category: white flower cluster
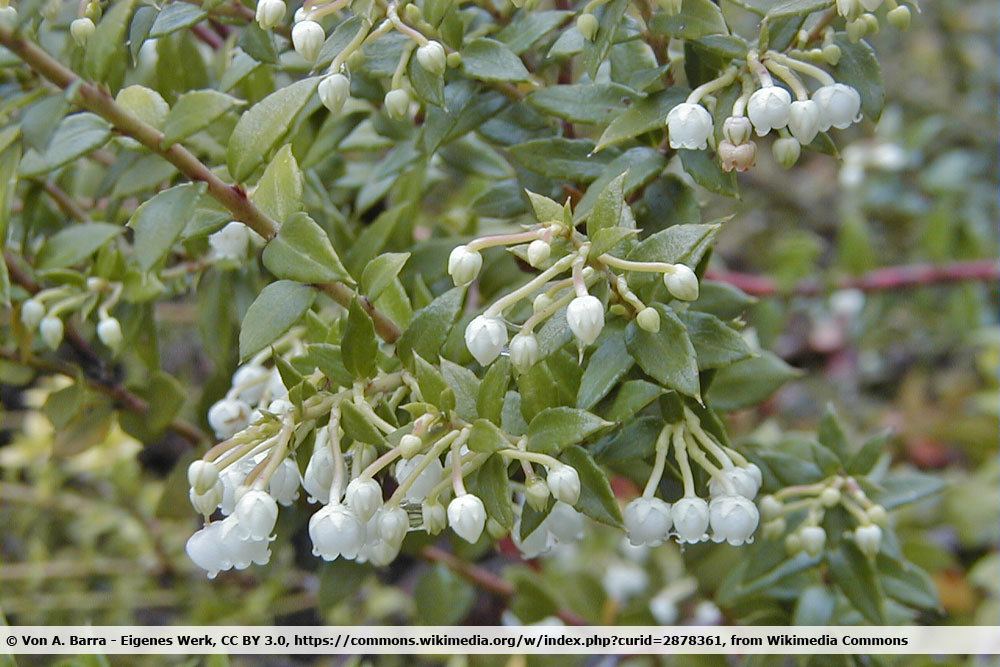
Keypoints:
pixel 486 336
pixel 765 107
pixel 729 515
pixel 44 312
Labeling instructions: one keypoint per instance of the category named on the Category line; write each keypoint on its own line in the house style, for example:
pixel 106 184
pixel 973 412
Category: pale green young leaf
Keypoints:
pixel 159 221
pixel 359 346
pixel 279 190
pixel 72 245
pixel 77 135
pixel 302 251
pixel 195 111
pixel 381 271
pixel 275 310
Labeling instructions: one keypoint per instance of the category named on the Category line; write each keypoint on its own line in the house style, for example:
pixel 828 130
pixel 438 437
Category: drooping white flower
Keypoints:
pixel 8 17
pixel 319 473
pixel 202 475
pixel 230 242
pixel 240 549
pixel 770 507
pixel 52 330
pixel 691 518
pixel 32 313
pixel 804 119
pixel 741 478
pixel 564 483
pixel 868 539
pixel 204 548
pixel 228 417
pixel 256 512
pixel 285 482
pixel 364 497
pixel 737 157
pixel 813 538
pixel 392 523
pixel 689 126
pixel 432 58
pixel 769 108
pixel 426 480
pixel 733 519
pixel 524 351
pixel 250 381
pixel 706 613
pixel 307 38
pixel 565 523
pixel 333 92
pixel 647 521
pixel 485 337
pixel 839 104
pixel 663 607
pixel 585 316
pixel 81 29
pixel 467 517
pixel 682 283
pixel 538 252
pixel 397 103
pixel 464 265
pixel 336 531
pixel 269 13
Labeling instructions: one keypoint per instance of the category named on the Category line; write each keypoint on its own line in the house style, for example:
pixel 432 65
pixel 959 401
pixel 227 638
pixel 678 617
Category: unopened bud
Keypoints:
pixel 464 265
pixel 536 493
pixel 8 17
pixel 109 331
pixel 831 54
pixel 334 91
pixel 871 23
pixel 538 252
pixel 585 316
pixel 454 59
pixel 868 539
pixel 737 129
pixel 770 508
pixel 307 38
pixel 878 514
pixel 51 329
pixel 541 302
pixel 786 151
pixel 524 351
pixel 81 29
pixel 410 445
pixel 648 320
pixel 774 528
pixel 588 26
pixel 857 29
pixel 432 57
pixel 682 283
pixel 202 475
pixel 812 538
pixel 829 497
pixel 899 18
pixel 269 13
pixel 397 103
pixel 564 483
pixel 32 313
pixel 434 516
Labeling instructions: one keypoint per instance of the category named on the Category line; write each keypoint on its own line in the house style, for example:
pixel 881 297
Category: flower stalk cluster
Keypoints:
pixel 45 311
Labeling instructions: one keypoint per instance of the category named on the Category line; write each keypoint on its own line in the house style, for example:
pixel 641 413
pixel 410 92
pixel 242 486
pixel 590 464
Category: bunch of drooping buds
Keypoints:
pixel 557 249
pixel 764 106
pixel 45 310
pixel 808 504
pixel 729 514
pixel 861 18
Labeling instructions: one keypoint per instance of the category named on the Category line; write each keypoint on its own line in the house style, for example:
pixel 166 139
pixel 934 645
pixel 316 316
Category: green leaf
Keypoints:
pixel 854 575
pixel 607 211
pixel 464 384
pixel 430 326
pixel 546 210
pixel 493 487
pixel 667 355
pixel 559 158
pixel 490 60
pixel 607 365
pixel 797 8
pixel 633 396
pixel 749 382
pixel 696 18
pixel 381 271
pixel 275 310
pixel 716 344
pixel 302 251
pixel 357 426
pixel 359 347
pixel 279 190
pixel 71 245
pixel 338 41
pixel 193 112
pixel 643 116
pixel 593 103
pixel 554 429
pixel 597 500
pixel 262 127
pixel 493 388
pixel 486 438
pixel 831 433
pixel 905 487
pixel 433 387
pixel 707 173
pixel 176 16
pixel 680 244
pixel 442 597
pixel 77 135
pixel 859 68
pixel 8 183
pixel 596 52
pixel 158 222
pixel 526 28
pixel 164 395
pixel 865 458
pixel 907 583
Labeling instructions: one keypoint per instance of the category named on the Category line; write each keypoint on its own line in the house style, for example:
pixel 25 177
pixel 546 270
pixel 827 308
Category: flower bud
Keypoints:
pixel 541 302
pixel 868 539
pixel 51 329
pixel 364 497
pixel 256 513
pixel 849 9
pixel 812 539
pixel 397 103
pixel 392 524
pixel 793 543
pixel 307 38
pixel 485 337
pixel 467 517
pixel 284 483
pixel 109 331
pixel 689 126
pixel 537 494
pixel 691 517
pixel 319 474
pixel 250 381
pixel 804 121
pixel 733 519
pixel 588 26
pixel 769 109
pixel 524 351
pixel 647 521
pixel 202 475
pixel 32 313
pixel 585 316
pixel 857 29
pixel 464 265
pixel 432 57
pixel 334 91
pixel 269 13
pixel 8 17
pixel 648 319
pixel 454 59
pixel 538 252
pixel 831 54
pixel 682 283
pixel 228 417
pixel 774 528
pixel 770 507
pixel 564 483
pixel 829 497
pixel 877 514
pixel 663 607
pixel 740 478
pixel 899 18
pixel 737 157
pixel 871 23
pixel 336 531
pixel 786 151
pixel 206 502
pixel 410 445
pixel 81 29
pixel 737 129
pixel 435 517
pixel 425 481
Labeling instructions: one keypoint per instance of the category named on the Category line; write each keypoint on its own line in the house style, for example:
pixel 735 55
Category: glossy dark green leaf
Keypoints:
pixel 715 344
pixel 667 355
pixel 597 500
pixel 554 429
pixel 855 576
pixel 490 60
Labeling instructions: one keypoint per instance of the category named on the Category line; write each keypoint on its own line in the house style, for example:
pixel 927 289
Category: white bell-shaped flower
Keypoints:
pixel 364 497
pixel 257 512
pixel 334 92
pixel 228 417
pixel 564 483
pixel 432 58
pixel 868 539
pixel 269 13
pixel 538 252
pixel 839 104
pixel 524 351
pixel 32 313
pixel 467 517
pixel 307 38
pixel 464 265
pixel 733 519
pixel 740 478
pixel 336 531
pixel 380 553
pixel 682 283
pixel 242 551
pixel 565 523
pixel 648 319
pixel 812 538
pixel 647 521
pixel 285 482
pixel 397 103
pixel 230 242
pixel 392 524
pixel 804 120
pixel 233 478
pixel 691 518
pixel 737 129
pixel 769 108
pixel 202 475
pixel 585 316
pixel 250 381
pixel 426 480
pixel 485 337
pixel 689 126
pixel 205 549
pixel 51 329
pixel 319 473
